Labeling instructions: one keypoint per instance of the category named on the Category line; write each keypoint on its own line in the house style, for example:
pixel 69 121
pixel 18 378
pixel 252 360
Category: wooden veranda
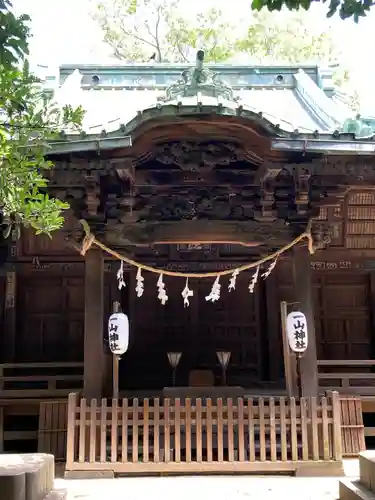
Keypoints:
pixel 37 393
pixel 246 435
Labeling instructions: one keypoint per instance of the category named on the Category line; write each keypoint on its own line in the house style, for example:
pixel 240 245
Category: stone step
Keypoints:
pixel 57 495
pixel 354 490
pixel 367 469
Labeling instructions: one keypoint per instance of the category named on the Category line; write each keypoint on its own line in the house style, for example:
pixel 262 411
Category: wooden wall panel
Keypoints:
pixel 50 318
pixel 343 313
pixel 233 323
pixel 155 329
pixel 32 245
pixel 343 316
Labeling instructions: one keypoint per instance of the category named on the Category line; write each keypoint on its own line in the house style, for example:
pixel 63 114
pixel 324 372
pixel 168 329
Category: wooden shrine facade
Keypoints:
pixel 57 303
pixel 197 183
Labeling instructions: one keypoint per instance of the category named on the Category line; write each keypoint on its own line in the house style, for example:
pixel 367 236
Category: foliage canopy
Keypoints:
pixel 27 123
pixel 171 31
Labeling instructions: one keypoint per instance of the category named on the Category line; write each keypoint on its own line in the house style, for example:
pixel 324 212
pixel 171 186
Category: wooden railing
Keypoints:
pixel 199 435
pixel 39 380
pixel 360 381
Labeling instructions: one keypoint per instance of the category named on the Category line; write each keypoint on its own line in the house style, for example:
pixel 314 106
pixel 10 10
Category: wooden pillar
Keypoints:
pixel 290 372
pixel 94 356
pixel 372 305
pixel 303 294
pixel 275 348
pixel 9 332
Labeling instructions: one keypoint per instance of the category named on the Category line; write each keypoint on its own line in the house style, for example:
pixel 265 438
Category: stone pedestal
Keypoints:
pixel 28 477
pixel 364 487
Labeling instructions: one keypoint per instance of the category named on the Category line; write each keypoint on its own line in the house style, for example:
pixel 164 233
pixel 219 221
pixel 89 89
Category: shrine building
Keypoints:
pixel 218 198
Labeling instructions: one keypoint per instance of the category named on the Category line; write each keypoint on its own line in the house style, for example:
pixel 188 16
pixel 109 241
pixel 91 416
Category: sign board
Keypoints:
pixel 118 333
pixel 296 328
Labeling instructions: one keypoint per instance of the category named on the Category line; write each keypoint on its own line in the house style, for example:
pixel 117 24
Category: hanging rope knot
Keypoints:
pixel 310 240
pixel 88 239
pixel 86 245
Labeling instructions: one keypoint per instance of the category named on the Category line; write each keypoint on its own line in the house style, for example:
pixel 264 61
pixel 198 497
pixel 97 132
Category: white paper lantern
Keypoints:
pixel 118 333
pixel 296 327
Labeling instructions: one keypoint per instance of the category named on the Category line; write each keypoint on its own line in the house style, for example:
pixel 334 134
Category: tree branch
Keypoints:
pixel 136 37
pixel 179 50
pixel 156 35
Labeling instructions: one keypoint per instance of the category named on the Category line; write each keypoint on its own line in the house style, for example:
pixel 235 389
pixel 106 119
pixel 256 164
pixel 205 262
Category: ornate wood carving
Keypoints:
pixel 92 183
pixel 302 188
pixel 321 235
pixel 348 171
pixel 194 204
pixel 215 181
pixel 192 155
pixel 267 203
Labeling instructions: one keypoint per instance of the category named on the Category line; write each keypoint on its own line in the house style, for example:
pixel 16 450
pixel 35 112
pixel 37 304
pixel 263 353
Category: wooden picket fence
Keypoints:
pixel 352 427
pixel 204 435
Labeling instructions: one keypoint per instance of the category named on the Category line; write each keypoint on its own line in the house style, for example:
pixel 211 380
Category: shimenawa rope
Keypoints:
pixel 90 240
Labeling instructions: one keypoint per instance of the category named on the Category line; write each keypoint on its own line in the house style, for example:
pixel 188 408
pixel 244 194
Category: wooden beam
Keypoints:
pixel 94 356
pixel 249 233
pixel 303 293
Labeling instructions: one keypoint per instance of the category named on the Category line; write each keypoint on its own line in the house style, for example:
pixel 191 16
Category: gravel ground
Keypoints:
pixel 206 487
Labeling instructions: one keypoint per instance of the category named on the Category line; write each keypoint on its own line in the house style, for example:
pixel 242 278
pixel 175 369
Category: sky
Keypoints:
pixel 64 32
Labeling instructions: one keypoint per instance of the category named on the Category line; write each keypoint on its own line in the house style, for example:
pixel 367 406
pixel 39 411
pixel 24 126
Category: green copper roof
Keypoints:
pixel 289 102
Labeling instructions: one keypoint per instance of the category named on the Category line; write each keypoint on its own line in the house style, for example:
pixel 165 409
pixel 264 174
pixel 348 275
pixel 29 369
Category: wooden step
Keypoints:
pixel 367 469
pixel 354 490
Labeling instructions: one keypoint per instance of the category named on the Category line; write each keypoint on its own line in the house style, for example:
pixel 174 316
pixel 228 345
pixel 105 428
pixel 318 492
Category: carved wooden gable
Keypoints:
pixel 351 222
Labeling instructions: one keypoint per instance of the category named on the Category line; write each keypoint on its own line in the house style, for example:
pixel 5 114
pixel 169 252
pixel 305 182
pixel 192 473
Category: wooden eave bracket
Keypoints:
pixel 267 171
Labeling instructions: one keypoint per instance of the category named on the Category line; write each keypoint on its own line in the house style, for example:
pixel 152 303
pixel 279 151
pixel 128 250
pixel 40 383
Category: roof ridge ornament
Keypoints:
pixel 358 127
pixel 198 80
